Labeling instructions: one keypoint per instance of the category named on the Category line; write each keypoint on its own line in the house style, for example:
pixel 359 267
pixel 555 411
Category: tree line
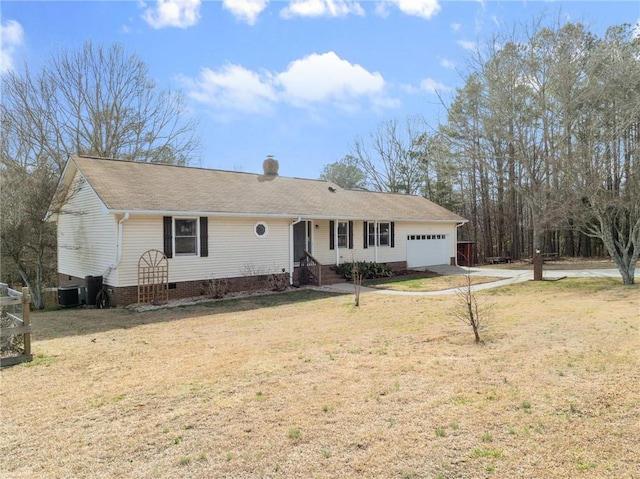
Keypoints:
pixel 539 150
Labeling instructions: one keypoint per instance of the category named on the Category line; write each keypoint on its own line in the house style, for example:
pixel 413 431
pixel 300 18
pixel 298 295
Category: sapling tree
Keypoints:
pixel 469 309
pixel 356 275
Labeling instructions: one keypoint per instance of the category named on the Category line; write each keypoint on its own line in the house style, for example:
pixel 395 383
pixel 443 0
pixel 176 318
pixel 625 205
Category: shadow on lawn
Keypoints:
pixel 81 321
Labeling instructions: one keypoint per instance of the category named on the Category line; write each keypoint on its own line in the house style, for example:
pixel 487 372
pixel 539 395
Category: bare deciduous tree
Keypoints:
pixel 469 309
pixel 605 171
pixel 389 159
pixel 94 101
pixel 25 238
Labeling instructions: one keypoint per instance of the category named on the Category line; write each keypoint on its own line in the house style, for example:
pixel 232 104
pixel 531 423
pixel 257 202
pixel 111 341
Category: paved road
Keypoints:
pixel 508 276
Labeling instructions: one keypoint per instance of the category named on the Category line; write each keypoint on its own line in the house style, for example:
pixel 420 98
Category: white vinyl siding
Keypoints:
pixel 234 249
pixel 86 234
pixel 237 250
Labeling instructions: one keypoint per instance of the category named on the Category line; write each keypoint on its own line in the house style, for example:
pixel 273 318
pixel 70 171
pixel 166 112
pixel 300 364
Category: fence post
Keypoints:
pixel 26 318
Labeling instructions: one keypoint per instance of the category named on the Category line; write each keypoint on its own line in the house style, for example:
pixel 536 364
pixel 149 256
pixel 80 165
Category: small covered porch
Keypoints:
pixel 319 244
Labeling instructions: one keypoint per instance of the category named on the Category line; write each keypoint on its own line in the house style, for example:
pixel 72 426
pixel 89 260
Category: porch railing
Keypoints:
pixel 310 270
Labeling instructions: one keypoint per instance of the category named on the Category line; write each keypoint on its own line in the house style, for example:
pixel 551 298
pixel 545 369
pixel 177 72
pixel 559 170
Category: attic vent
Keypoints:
pixel 270 166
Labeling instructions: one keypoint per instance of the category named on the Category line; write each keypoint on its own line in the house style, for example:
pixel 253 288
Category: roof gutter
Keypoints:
pixel 281 216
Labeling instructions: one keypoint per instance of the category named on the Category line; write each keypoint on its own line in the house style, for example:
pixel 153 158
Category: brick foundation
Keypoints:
pixel 126 295
pixel 397 266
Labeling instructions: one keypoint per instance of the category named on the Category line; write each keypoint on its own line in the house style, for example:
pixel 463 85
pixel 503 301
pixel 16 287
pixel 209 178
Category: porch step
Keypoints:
pixel 330 277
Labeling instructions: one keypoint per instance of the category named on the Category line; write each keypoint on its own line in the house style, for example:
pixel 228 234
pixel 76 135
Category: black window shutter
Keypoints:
pixel 365 228
pixel 167 227
pixel 350 234
pixel 204 236
pixel 332 232
pixel 393 234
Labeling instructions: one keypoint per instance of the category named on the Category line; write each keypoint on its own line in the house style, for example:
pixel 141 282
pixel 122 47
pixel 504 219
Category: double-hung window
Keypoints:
pixel 384 234
pixel 371 234
pixel 340 234
pixel 378 234
pixel 343 234
pixel 186 236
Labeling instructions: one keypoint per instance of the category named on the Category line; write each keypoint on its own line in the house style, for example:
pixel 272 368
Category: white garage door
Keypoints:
pixel 427 250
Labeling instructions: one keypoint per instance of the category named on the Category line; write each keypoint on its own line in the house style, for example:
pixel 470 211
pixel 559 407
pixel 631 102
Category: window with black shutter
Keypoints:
pixel 185 236
pixel 185 232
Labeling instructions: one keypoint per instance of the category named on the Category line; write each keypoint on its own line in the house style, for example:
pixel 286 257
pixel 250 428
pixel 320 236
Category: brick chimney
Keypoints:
pixel 270 166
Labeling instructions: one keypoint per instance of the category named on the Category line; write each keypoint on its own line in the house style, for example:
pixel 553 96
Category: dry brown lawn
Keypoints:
pixel 305 385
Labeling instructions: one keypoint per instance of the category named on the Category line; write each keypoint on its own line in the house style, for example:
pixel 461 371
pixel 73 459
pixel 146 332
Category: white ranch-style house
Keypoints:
pixel 214 224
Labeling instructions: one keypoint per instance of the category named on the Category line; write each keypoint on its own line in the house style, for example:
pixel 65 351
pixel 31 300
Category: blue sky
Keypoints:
pixel 300 80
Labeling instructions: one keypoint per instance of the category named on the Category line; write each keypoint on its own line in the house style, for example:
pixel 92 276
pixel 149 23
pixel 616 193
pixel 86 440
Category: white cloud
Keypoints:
pixel 456 27
pixel 314 81
pixel 173 13
pixel 321 8
pixel 418 8
pixel 233 87
pixel 246 10
pixel 11 37
pixel 328 78
pixel 636 29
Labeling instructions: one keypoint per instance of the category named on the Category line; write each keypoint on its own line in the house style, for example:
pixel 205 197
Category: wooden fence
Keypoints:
pixel 13 305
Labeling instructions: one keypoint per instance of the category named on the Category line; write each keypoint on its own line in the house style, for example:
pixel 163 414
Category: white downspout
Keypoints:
pixel 335 241
pixel 291 259
pixel 116 263
pixel 375 241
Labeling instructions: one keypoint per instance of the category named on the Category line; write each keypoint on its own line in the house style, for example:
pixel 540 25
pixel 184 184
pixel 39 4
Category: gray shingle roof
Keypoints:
pixel 144 187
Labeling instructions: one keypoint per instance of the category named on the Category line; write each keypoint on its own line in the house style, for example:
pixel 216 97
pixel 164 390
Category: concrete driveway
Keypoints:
pixel 506 277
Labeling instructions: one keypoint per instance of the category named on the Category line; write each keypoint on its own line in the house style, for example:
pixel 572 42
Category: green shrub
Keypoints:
pixel 368 270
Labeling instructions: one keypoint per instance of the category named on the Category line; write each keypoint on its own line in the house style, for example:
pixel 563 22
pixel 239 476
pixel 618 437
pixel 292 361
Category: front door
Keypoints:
pixel 301 240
